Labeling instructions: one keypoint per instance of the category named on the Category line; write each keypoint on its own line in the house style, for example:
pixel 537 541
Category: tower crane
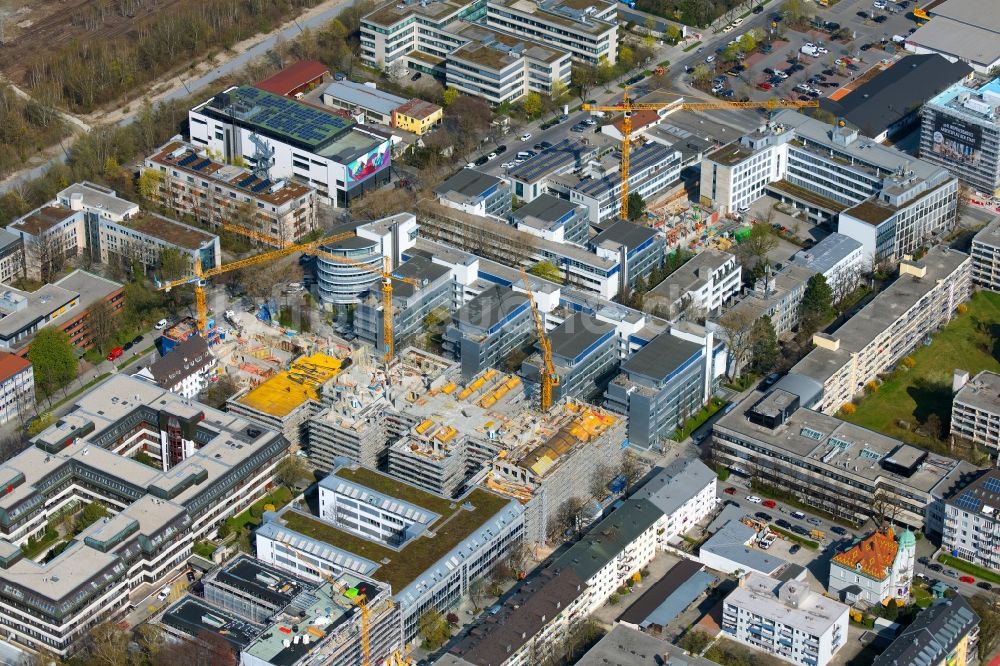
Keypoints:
pixel 628 106
pixel 549 378
pixel 385 273
pixel 200 276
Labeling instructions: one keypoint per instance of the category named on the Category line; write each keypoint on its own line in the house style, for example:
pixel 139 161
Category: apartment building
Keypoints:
pixel 186 370
pixel 553 219
pixel 488 328
pixel 552 169
pixel 191 182
pixel 785 619
pixel 960 130
pixel 685 493
pixel 839 259
pixel 975 410
pixel 703 284
pixel 17 387
pixel 213 466
pixel 653 168
pixel 831 464
pixel 11 257
pixel 946 633
pixel 971 524
pixel 476 193
pixel 876 570
pixel 587 30
pixel 986 256
pixel 314 146
pixel 665 383
pixel 777 296
pixel 897 321
pixel 585 356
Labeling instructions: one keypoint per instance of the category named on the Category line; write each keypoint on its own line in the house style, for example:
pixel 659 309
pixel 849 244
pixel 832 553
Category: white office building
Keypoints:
pixel 839 258
pixel 785 619
pixel 589 31
pixel 975 410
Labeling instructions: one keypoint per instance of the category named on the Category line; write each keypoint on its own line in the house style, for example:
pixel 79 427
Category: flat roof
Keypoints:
pixel 827 253
pixel 662 356
pixel 418 268
pixel 467 185
pixel 630 647
pixel 193 616
pixel 270 584
pixel 965 29
pixel 288 390
pixel 492 306
pixel 730 154
pixel 545 211
pixel 169 231
pixel 393 12
pixel 576 15
pixel 577 334
pixel 652 154
pixel 364 96
pixel 622 232
pixel 98 196
pixel 792 603
pixel 730 543
pixel 990 234
pixel 553 160
pixel 981 392
pixel 41 219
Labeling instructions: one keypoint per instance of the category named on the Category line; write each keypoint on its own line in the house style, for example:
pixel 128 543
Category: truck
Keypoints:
pixel 818 535
pixel 809 50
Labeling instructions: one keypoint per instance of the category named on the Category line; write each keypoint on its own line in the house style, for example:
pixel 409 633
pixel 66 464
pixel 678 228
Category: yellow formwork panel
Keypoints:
pixel 280 395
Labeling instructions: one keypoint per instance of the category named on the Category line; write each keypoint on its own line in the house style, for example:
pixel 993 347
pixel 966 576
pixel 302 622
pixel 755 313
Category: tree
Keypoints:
pixel 989 625
pixel 91 513
pixel 702 73
pixel 632 468
pixel 566 519
pixel 884 509
pixel 599 480
pixel 762 240
pixel 636 206
pixel 173 264
pixel 817 304
pixel 149 184
pixel 54 359
pixel 626 59
pixel 736 326
pixel 673 34
pixel 747 43
pixel 449 96
pixel 477 593
pixel 150 639
pixel 765 352
pixel 293 471
pixel 558 90
pixel 796 10
pixel 219 392
pixel 532 104
pixel 583 78
pixel 547 270
pixel 605 70
pixel 433 629
pixel 107 645
pixel 101 324
pixel 933 426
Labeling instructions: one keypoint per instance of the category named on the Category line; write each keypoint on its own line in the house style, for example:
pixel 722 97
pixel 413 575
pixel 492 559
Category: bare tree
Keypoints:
pixel 737 326
pixel 47 253
pixel 599 480
pixel 883 509
pixel 101 324
pixel 107 645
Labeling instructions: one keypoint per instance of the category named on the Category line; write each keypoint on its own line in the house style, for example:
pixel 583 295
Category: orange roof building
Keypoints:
pixel 877 569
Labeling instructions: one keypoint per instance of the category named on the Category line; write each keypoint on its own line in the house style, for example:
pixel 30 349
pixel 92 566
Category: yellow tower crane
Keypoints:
pixel 549 378
pixel 628 106
pixel 200 276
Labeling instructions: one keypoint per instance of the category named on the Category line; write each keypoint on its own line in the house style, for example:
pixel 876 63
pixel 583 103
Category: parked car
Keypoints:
pixel 770 380
pixel 794 549
pixel 967 579
pixel 137 339
pixel 798 515
pixel 416 76
pixel 836 529
pixel 881 19
pixel 863 15
pixel 983 585
pixel 545 145
pixel 828 72
pixel 812 520
pixel 491 156
pixel 924 560
pixel 115 353
pixel 764 85
pixel 763 515
pixel 753 499
pixel 770 504
pixel 798 529
pixel 730 503
pixel 935 567
pixel 526 136
pixel 127 345
pixel 160 325
pixel 163 593
pixel 783 524
pixel 950 573
pixel 730 491
pixel 710 59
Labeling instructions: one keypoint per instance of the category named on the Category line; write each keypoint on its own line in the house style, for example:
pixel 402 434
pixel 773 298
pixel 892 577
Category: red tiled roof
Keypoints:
pixel 875 555
pixel 11 364
pixel 418 108
pixel 640 119
pixel 293 76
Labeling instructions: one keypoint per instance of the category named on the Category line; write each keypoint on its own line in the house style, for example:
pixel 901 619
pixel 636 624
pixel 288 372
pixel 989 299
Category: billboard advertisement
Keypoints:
pixel 957 140
pixel 368 164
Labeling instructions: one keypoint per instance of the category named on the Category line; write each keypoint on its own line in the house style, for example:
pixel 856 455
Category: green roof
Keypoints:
pixel 387 485
pixel 609 537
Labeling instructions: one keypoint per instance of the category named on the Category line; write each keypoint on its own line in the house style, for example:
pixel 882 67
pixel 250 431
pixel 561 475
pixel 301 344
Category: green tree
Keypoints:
pixel 173 264
pixel 817 303
pixel 54 359
pixel 702 73
pixel 92 512
pixel 433 628
pixel 149 183
pixel 293 471
pixel 673 34
pixel 583 78
pixel 449 95
pixel 605 70
pixel 989 625
pixel 532 104
pixel 636 206
pixel 747 43
pixel 547 270
pixel 764 352
pixel 732 52
pixel 762 240
pixel 626 58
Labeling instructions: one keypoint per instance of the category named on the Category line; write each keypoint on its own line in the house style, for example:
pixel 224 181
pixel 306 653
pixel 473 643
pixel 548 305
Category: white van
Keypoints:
pixel 899 39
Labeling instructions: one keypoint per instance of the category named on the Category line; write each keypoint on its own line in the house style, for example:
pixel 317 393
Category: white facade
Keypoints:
pixel 839 258
pixel 703 284
pixel 877 569
pixel 17 389
pixel 786 620
pixel 972 523
pixel 986 256
pixel 975 410
pixel 590 33
pixel 733 177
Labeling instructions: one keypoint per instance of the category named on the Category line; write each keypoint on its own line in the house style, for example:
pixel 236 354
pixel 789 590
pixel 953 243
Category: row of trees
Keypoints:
pixel 690 12
pixel 26 126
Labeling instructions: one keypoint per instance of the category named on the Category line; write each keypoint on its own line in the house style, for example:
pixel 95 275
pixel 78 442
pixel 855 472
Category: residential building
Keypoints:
pixel 224 196
pixel 876 570
pixel 665 383
pixel 777 296
pixel 17 387
pixel 146 236
pixel 888 105
pixel 962 30
pixel 585 356
pixel 553 219
pixel 986 256
pixel 487 329
pixel 636 248
pixel 316 147
pixel 946 633
pixel 960 130
pixel 838 258
pixel 891 326
pixel 836 466
pixel 624 645
pixel 12 264
pixel 476 193
pixel 703 284
pixel 653 169
pixel 64 304
pixel 975 410
pixel 364 101
pixel 50 235
pixel 391 538
pixel 296 79
pixel 785 619
pixel 588 31
pixel 971 526
pixel 417 116
pixel 685 493
pixel 186 370
pixel 209 465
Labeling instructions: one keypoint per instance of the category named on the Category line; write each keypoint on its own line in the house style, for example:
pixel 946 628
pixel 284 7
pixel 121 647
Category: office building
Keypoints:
pixel 11 257
pixel 552 168
pixel 637 249
pixel 946 633
pixel 891 326
pixel 585 356
pixel 64 304
pixel 296 79
pixel 302 142
pixel 588 31
pixel 186 370
pixel 702 285
pixel 975 410
pixel 425 549
pixel 785 619
pixel 487 329
pixel 971 526
pixel 476 193
pixel 223 196
pixel 877 570
pixel 960 131
pixel 653 169
pixel 839 258
pixel 17 387
pixel 888 105
pixel 193 620
pixel 553 219
pixel 962 30
pixel 986 256
pixel 836 466
pixel 209 465
pixel 665 383
pixel 249 588
pixel 364 101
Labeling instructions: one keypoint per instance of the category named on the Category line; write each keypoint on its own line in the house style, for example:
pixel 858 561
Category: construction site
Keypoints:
pixel 420 422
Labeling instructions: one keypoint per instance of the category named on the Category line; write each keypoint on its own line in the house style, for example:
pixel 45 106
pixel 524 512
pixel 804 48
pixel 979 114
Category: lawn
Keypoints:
pixel 704 414
pixel 921 596
pixel 278 497
pixel 970 568
pixel 791 536
pixel 912 395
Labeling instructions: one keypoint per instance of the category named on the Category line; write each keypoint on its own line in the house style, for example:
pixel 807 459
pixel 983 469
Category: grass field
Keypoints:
pixel 913 395
pixel 970 568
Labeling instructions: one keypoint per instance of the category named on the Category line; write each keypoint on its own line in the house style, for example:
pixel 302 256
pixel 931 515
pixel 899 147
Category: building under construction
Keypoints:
pixel 420 422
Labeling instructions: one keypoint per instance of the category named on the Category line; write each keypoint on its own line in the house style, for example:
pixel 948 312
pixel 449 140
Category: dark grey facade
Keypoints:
pixel 547 214
pixel 488 328
pixel 585 355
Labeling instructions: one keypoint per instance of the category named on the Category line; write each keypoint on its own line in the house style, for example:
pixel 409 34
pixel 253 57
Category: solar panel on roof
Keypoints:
pixel 246 181
pixel 201 165
pixel 968 501
pixel 992 485
pixel 187 160
pixel 261 186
